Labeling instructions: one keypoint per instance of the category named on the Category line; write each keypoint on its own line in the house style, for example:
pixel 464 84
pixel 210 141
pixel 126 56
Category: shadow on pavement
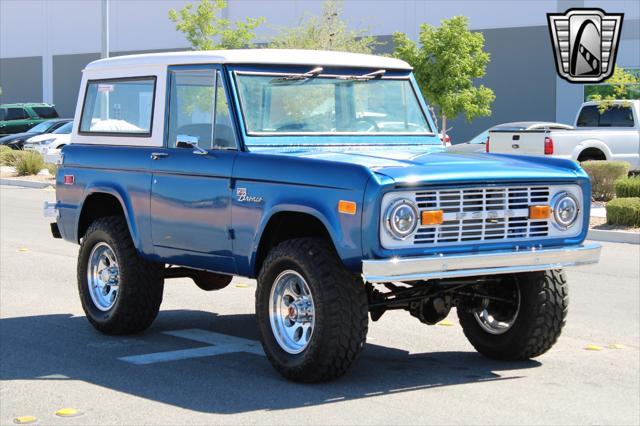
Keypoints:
pixel 59 347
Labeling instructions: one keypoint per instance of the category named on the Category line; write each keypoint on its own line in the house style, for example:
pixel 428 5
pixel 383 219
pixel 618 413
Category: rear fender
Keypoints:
pixel 115 190
pixel 591 143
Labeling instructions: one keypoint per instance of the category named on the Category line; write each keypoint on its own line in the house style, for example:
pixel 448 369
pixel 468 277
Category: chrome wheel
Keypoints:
pixel 498 313
pixel 103 276
pixel 291 312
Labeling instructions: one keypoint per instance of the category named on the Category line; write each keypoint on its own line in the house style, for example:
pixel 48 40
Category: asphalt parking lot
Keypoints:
pixel 200 362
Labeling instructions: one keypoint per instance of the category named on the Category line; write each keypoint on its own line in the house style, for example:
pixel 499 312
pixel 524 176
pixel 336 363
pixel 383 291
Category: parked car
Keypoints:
pixel 18 118
pixel 611 135
pixel 17 140
pixel 214 166
pixel 54 140
pixel 478 143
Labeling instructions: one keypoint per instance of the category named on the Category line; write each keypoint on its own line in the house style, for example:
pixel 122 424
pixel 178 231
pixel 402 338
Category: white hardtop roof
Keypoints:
pixel 253 56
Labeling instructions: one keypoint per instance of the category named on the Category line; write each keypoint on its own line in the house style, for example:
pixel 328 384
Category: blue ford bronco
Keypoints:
pixel 321 175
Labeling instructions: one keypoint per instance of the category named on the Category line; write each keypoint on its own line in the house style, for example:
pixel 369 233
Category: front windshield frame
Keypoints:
pixel 404 75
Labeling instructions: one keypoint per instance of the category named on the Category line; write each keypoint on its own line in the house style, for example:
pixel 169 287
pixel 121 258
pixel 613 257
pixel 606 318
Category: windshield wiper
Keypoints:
pixel 369 76
pixel 295 77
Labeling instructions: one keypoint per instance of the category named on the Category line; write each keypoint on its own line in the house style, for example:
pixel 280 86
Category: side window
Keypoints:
pixel 223 134
pixel 45 112
pixel 119 106
pixel 16 114
pixel 191 108
pixel 589 116
pixel 2 114
pixel 617 117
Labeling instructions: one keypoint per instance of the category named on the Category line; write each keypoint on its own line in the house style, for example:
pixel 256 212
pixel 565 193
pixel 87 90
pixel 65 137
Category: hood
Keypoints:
pixel 48 136
pixel 421 163
pixel 17 137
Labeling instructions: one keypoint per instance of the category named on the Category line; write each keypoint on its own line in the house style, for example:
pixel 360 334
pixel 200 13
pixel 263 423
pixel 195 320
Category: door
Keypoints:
pixel 622 136
pixel 17 120
pixel 190 192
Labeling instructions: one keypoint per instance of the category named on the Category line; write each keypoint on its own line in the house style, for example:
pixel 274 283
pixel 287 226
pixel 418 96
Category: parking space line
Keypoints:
pixel 220 344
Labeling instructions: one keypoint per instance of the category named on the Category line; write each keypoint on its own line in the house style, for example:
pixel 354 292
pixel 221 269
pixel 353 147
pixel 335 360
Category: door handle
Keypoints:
pixel 158 155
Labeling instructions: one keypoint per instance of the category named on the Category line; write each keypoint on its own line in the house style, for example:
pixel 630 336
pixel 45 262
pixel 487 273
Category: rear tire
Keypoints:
pixel 538 323
pixel 135 304
pixel 334 310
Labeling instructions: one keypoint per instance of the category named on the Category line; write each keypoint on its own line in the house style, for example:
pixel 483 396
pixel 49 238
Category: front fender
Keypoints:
pixel 330 224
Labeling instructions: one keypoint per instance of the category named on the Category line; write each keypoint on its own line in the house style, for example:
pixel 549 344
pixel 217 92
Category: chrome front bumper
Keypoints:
pixel 487 263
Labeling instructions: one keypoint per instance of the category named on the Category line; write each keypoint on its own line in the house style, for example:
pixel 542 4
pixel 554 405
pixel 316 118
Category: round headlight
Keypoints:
pixel 402 218
pixel 565 209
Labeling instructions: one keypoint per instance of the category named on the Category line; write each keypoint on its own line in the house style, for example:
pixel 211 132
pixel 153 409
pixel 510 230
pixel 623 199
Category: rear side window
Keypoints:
pixel 16 114
pixel 119 107
pixel 2 114
pixel 45 112
pixel 617 116
pixel 589 116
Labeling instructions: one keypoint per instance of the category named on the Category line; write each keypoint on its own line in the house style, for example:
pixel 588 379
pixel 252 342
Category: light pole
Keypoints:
pixel 105 29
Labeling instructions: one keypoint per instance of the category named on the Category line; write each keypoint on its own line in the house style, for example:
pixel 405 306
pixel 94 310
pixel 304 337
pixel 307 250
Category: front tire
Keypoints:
pixel 312 313
pixel 120 292
pixel 508 332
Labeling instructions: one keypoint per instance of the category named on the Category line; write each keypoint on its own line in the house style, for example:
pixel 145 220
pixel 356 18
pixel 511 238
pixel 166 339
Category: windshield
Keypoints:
pixel 42 127
pixel 274 106
pixel 65 129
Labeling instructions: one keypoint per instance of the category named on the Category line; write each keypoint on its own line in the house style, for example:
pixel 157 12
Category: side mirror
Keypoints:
pixel 188 141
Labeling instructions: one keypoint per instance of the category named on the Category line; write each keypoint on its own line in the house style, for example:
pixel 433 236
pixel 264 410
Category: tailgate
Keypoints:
pixel 526 142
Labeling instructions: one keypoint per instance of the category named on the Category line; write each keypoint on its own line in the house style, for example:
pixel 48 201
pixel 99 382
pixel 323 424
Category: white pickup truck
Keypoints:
pixel 611 135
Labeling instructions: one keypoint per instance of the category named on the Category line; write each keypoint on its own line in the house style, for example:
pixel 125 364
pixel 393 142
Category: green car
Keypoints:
pixel 17 118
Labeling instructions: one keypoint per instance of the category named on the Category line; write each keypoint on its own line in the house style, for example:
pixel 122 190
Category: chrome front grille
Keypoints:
pixel 482 214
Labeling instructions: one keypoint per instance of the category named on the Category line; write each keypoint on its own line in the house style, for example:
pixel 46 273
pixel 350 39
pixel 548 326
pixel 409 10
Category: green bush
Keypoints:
pixel 624 211
pixel 53 168
pixel 603 176
pixel 8 156
pixel 30 163
pixel 628 187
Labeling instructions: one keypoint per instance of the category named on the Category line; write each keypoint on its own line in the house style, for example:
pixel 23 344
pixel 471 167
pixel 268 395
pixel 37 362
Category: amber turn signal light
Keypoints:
pixel 347 207
pixel 539 212
pixel 431 217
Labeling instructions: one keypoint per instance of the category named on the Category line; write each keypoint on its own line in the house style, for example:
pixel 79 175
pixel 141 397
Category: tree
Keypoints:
pixel 621 85
pixel 205 30
pixel 325 32
pixel 446 63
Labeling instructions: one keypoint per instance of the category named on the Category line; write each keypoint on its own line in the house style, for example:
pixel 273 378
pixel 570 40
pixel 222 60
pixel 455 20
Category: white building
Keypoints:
pixel 44 44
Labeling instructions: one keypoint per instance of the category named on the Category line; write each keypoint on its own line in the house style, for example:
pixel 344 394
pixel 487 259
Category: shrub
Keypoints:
pixel 603 176
pixel 30 163
pixel 8 156
pixel 53 168
pixel 624 211
pixel 628 187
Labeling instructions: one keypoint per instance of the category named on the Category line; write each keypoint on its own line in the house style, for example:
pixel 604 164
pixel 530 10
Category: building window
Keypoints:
pixel 605 89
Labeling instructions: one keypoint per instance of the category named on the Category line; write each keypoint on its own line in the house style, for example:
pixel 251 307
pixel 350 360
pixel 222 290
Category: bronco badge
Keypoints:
pixel 585 43
pixel 243 197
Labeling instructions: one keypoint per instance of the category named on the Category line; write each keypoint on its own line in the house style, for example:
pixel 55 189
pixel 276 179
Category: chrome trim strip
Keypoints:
pixel 488 263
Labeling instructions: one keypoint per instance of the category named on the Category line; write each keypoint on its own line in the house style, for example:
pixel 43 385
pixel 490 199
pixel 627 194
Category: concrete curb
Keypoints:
pixel 614 236
pixel 26 183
